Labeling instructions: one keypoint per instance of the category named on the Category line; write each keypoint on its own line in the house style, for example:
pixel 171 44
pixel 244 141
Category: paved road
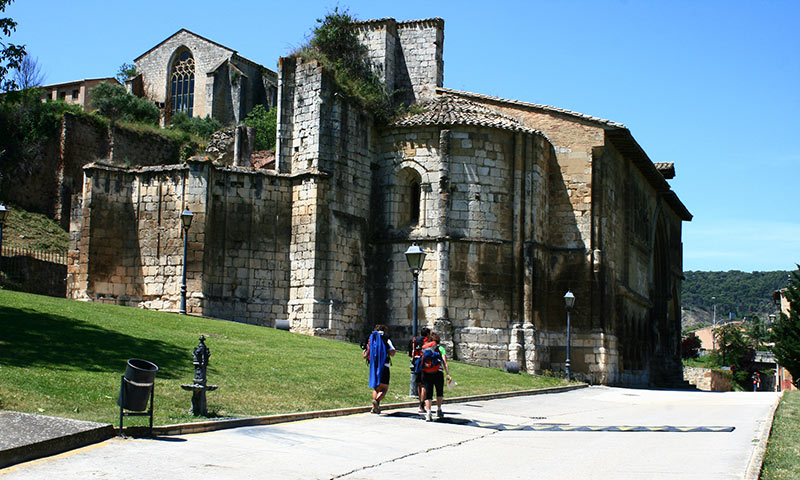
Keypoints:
pixel 591 433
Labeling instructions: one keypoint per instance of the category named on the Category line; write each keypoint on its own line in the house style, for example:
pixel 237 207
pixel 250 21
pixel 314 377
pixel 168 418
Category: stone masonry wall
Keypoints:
pixel 419 59
pixel 245 240
pixel 707 379
pixel 483 202
pixel 326 145
pixel 407 56
pixel 127 244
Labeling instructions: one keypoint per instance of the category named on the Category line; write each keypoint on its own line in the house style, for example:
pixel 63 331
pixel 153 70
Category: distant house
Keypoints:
pixel 77 92
pixel 706 335
pixel 191 74
pixel 780 299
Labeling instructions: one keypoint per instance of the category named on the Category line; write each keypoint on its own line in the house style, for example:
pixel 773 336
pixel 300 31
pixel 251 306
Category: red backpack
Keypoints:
pixel 431 357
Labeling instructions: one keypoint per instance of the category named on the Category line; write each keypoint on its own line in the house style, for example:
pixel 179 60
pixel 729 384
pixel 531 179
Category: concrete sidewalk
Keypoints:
pixel 591 433
pixel 25 436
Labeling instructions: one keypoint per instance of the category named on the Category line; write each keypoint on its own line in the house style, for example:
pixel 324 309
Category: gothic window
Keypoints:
pixel 182 84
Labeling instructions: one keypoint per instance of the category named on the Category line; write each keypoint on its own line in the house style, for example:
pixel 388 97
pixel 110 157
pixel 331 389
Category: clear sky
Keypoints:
pixel 713 86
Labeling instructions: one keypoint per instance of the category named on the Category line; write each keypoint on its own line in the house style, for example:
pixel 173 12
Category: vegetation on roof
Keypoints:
pixel 336 46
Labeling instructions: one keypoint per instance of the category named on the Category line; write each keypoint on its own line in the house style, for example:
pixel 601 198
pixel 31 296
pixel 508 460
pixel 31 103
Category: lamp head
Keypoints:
pixel 415 256
pixel 569 300
pixel 186 218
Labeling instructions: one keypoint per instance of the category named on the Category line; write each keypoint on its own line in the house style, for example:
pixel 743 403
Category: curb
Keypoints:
pixel 757 456
pixel 56 445
pixel 213 425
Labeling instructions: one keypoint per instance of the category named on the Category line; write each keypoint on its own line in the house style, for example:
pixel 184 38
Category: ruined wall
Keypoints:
pixel 49 183
pixel 245 240
pixel 133 148
pixel 325 144
pixel 407 56
pixel 109 264
pixel 127 243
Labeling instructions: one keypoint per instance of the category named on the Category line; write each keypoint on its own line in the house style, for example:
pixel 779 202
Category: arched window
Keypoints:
pixel 182 84
pixel 409 198
pixel 414 199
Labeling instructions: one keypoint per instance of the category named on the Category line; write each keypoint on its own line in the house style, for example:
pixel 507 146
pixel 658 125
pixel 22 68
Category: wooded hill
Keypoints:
pixel 743 294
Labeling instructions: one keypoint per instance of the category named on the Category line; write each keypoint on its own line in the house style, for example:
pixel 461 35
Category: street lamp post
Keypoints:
pixel 714 325
pixel 415 256
pixel 3 213
pixel 569 302
pixel 186 222
pixel 777 367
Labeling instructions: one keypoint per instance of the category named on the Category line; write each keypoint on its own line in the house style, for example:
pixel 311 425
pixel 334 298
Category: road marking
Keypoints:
pixel 563 427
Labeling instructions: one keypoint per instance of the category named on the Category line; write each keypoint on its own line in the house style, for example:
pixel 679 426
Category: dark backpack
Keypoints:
pixel 415 346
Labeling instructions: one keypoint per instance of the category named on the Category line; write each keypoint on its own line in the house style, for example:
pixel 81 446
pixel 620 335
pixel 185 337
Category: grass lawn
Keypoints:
pixel 64 358
pixel 782 460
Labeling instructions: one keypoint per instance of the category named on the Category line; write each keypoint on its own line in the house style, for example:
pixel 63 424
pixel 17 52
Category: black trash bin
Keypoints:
pixel 134 392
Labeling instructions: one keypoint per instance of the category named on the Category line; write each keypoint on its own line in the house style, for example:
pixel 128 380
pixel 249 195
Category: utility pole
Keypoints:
pixel 714 325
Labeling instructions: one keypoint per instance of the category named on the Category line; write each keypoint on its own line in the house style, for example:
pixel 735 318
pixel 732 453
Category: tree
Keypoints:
pixel 126 71
pixel 786 331
pixel 202 127
pixel 11 55
pixel 734 351
pixel 114 103
pixel 690 346
pixel 28 74
pixel 266 125
pixel 755 332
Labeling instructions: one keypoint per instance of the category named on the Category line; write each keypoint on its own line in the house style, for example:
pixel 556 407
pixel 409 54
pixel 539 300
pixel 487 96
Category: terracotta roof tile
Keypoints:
pixel 530 105
pixel 666 168
pixel 452 110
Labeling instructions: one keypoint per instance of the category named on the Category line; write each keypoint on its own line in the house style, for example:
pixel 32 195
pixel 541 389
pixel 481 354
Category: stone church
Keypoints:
pixel 192 74
pixel 515 203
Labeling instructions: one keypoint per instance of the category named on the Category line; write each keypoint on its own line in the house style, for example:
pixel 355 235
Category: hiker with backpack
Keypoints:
pixel 378 352
pixel 415 351
pixel 432 361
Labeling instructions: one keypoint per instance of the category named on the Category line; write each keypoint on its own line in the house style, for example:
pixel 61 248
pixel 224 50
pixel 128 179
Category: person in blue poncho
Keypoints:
pixel 378 352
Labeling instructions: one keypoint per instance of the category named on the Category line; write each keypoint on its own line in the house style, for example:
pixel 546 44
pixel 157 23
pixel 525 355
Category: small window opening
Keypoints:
pixel 414 202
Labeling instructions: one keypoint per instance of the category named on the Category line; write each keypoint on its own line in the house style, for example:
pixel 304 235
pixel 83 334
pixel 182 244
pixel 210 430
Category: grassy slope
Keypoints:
pixel 65 358
pixel 33 230
pixel 782 460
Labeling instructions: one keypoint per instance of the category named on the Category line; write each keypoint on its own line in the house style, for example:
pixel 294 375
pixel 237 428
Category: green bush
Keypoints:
pixel 336 46
pixel 266 125
pixel 202 127
pixel 115 103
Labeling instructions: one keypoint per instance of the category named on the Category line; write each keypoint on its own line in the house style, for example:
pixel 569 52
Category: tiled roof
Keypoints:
pixel 403 22
pixel 666 168
pixel 530 105
pixel 451 110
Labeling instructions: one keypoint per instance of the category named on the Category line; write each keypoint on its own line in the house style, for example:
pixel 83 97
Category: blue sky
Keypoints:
pixel 713 86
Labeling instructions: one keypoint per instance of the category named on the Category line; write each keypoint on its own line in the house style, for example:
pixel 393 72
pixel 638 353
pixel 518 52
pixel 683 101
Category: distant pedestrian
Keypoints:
pixel 378 352
pixel 415 352
pixel 756 381
pixel 434 360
